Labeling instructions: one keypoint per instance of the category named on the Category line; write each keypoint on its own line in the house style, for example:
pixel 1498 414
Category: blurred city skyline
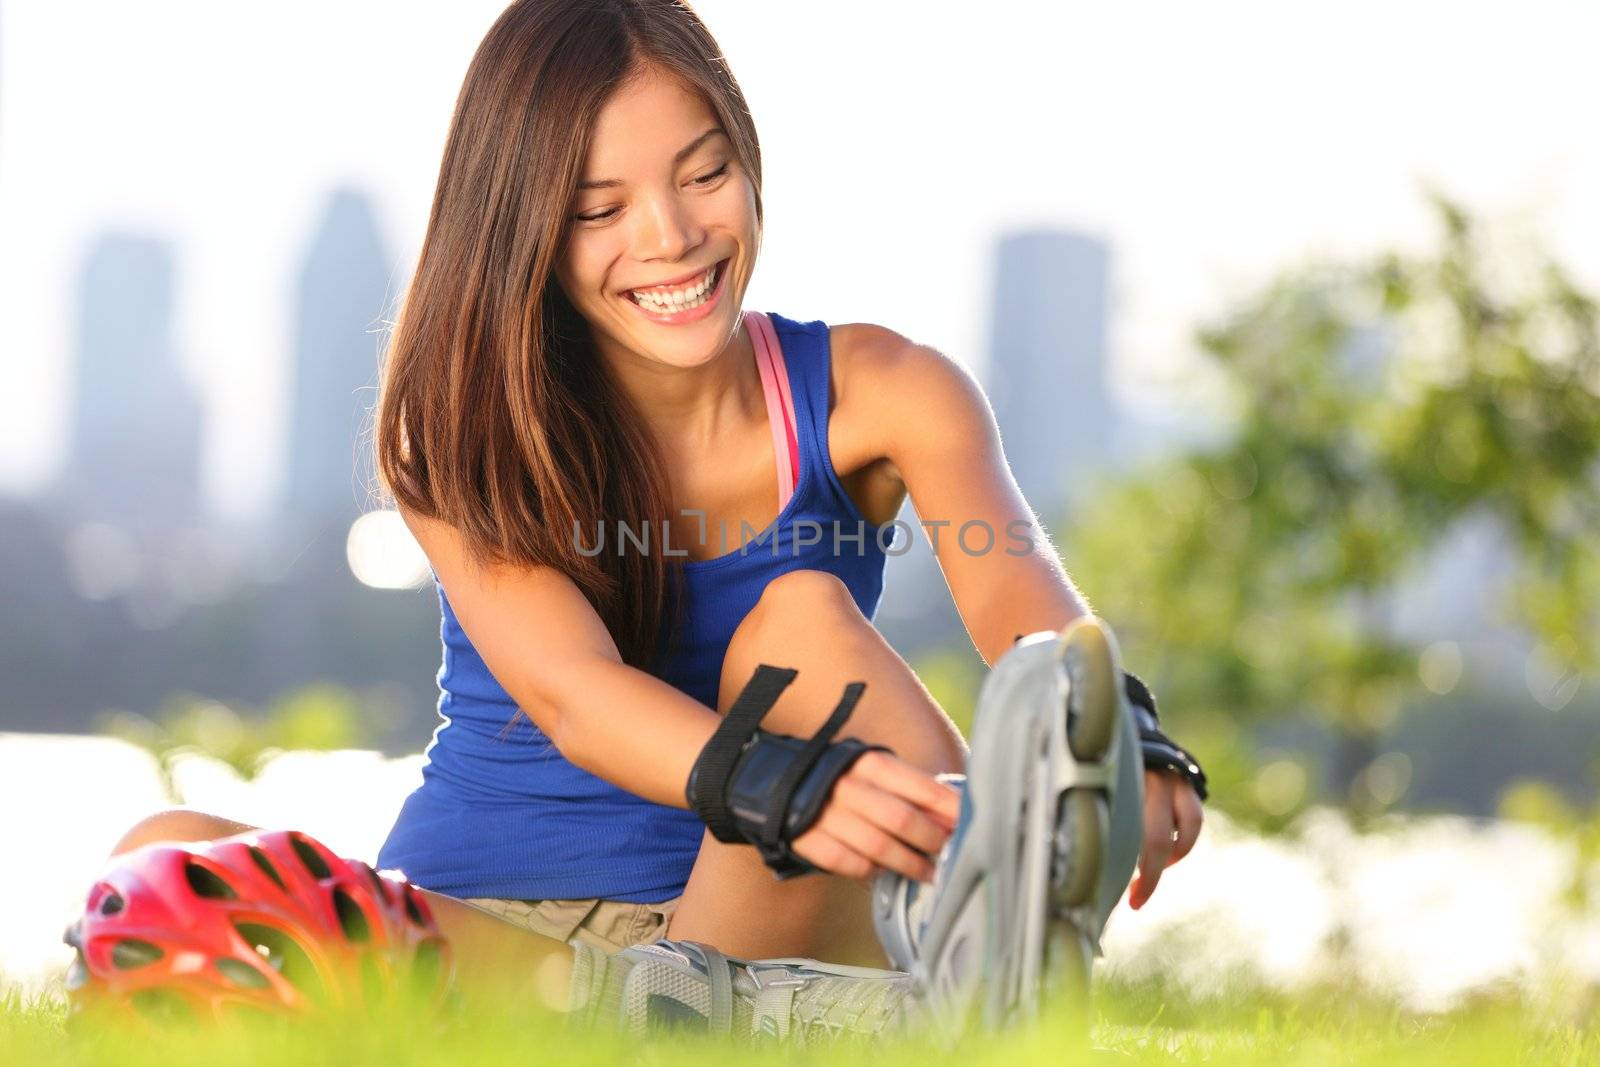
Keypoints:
pixel 132 559
pixel 1275 149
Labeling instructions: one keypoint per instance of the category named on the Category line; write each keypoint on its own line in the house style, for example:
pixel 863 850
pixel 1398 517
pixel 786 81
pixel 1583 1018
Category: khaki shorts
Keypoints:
pixel 611 925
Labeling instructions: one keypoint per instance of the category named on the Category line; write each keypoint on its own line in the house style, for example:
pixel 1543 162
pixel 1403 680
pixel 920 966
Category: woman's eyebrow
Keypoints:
pixel 683 153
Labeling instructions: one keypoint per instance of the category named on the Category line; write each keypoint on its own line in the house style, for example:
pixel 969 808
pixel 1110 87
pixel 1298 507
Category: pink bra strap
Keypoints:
pixel 780 402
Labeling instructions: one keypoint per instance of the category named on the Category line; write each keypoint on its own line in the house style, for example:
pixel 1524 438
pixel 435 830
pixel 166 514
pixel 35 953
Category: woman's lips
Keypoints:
pixel 671 283
pixel 695 313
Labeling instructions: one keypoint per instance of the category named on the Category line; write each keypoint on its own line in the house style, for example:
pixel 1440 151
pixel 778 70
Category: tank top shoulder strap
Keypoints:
pixel 779 393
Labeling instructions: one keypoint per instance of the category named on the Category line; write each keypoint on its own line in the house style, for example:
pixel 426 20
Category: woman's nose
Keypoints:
pixel 667 230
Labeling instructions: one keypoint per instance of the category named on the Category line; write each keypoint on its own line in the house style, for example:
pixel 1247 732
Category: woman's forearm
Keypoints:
pixel 630 728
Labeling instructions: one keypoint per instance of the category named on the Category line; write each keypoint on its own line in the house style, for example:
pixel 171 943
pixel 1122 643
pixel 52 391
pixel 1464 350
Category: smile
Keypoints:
pixel 685 301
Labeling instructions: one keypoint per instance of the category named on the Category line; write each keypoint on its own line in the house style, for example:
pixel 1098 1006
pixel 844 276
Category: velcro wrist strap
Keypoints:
pixel 707 789
pixel 751 785
pixel 1143 701
pixel 782 791
pixel 1161 753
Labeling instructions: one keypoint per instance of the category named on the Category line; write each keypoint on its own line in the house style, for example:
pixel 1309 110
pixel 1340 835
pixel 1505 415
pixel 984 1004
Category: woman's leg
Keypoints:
pixel 492 957
pixel 808 621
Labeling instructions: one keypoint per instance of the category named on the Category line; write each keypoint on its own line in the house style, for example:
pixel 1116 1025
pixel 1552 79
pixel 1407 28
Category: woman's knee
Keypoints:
pixel 809 620
pixel 177 824
pixel 794 600
pixel 805 590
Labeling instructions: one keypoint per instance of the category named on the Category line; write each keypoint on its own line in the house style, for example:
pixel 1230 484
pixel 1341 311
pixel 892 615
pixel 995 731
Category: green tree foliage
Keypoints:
pixel 1373 406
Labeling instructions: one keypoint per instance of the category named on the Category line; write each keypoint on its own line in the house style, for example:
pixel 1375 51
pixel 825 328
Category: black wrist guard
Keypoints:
pixel 1161 753
pixel 766 789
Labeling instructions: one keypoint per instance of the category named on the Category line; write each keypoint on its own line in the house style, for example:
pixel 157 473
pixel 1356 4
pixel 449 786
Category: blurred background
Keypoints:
pixel 1286 313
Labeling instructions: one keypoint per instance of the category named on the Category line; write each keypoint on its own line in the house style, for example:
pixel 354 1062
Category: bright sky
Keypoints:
pixel 1209 143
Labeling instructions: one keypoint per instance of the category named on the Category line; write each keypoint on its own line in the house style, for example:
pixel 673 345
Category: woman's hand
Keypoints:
pixel 1172 817
pixel 883 814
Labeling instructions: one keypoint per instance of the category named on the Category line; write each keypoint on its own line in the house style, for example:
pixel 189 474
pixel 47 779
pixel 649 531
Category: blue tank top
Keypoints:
pixel 501 813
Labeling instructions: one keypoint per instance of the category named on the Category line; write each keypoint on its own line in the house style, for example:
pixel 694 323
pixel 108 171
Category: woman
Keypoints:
pixel 573 405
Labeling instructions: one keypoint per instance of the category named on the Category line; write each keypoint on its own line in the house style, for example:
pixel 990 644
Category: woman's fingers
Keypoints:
pixel 1158 831
pixel 881 814
pixel 1189 814
pixel 878 846
pixel 824 850
pixel 887 812
pixel 893 775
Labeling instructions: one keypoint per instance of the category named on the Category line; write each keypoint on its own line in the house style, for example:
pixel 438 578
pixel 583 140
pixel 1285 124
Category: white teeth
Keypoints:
pixel 679 299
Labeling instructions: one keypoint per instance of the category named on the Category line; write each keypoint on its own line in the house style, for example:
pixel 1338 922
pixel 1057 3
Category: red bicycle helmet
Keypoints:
pixel 261 920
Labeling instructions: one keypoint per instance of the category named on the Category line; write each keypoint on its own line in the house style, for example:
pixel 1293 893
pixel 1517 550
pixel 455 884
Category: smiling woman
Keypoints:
pixel 586 154
pixel 701 207
pixel 573 354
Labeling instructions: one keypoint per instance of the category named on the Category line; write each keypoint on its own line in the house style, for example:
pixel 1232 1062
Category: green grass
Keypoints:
pixel 1132 1025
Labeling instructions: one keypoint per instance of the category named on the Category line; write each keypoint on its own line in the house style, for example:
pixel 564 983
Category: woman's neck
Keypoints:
pixel 689 409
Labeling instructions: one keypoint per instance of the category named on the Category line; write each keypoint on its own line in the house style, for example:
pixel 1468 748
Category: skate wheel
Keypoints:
pixel 1085 826
pixel 1094 686
pixel 1070 972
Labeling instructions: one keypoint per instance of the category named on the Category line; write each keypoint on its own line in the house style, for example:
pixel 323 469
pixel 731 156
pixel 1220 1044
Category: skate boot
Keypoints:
pixel 689 986
pixel 1020 894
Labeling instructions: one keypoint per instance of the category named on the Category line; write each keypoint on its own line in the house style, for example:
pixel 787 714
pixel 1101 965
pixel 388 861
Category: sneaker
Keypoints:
pixel 1012 912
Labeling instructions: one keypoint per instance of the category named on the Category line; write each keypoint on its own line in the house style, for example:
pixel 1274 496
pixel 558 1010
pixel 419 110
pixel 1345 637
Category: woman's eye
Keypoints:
pixel 706 178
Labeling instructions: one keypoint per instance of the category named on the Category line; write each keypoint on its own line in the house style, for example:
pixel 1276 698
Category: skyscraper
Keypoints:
pixel 1047 374
pixel 1047 382
pixel 342 295
pixel 134 450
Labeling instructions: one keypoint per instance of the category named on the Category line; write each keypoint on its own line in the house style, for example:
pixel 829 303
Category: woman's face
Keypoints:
pixel 662 199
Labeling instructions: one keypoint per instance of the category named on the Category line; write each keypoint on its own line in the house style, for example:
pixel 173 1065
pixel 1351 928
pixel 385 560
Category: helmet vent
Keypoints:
pixel 164 1007
pixel 377 883
pixel 241 973
pixel 131 952
pixel 207 883
pixel 351 919
pixel 283 955
pixel 310 857
pixel 412 911
pixel 266 866
pixel 112 904
pixel 427 966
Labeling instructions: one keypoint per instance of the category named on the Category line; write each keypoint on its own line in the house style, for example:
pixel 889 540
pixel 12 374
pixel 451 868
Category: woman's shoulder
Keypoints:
pixel 905 384
pixel 890 393
pixel 876 361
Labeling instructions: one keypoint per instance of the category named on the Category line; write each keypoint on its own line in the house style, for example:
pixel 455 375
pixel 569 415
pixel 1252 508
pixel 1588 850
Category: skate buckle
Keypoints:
pixel 774 977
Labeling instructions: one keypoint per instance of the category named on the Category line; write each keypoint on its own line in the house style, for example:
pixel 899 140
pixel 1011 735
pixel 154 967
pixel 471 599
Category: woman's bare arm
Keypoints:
pixel 549 650
pixel 935 426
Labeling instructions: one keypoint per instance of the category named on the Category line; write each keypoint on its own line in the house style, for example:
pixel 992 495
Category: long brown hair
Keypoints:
pixel 494 412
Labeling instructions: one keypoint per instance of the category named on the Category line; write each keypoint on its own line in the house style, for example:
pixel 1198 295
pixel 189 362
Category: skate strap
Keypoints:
pixel 720 978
